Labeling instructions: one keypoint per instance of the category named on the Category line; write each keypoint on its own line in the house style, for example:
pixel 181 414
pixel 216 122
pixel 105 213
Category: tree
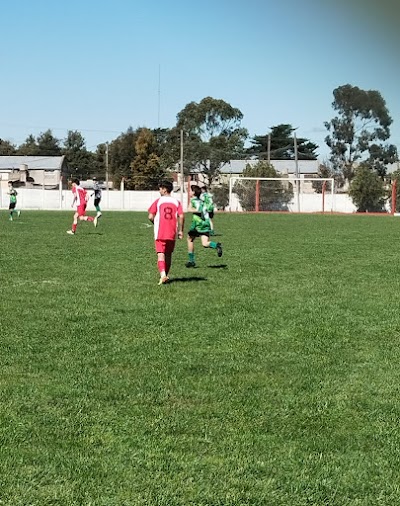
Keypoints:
pixel 29 147
pixel 146 169
pixel 367 190
pixel 281 140
pixel 79 160
pixel 213 135
pixel 121 153
pixel 6 148
pixel 220 196
pixel 358 130
pixel 273 195
pixel 48 145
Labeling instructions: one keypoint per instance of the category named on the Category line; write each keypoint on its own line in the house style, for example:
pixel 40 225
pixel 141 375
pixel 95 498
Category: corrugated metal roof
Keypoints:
pixel 33 162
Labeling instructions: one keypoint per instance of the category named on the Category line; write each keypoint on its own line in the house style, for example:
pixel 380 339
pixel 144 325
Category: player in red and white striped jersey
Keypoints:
pixel 80 199
pixel 167 215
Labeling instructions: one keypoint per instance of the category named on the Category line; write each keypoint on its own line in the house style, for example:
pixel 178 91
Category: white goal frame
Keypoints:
pixel 295 181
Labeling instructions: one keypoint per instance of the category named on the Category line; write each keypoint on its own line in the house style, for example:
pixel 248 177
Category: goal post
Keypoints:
pixel 257 194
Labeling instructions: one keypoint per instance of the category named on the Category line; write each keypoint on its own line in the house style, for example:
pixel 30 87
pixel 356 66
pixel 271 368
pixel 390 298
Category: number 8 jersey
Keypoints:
pixel 166 210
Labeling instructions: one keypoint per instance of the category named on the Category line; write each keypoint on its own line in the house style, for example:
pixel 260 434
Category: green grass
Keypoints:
pixel 269 376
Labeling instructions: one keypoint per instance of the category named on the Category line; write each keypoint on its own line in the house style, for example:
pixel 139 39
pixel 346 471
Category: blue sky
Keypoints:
pixel 100 67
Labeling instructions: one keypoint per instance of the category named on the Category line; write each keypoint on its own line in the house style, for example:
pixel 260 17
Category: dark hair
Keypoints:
pixel 204 188
pixel 167 185
pixel 76 181
pixel 196 190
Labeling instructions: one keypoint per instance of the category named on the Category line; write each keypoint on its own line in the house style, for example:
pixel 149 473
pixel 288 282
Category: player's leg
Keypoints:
pixel 205 241
pixel 190 242
pixel 169 249
pixel 161 264
pixel 97 207
pixel 11 208
pixel 74 224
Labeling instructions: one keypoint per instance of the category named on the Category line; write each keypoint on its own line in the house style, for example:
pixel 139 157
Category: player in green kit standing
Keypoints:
pixel 13 201
pixel 200 227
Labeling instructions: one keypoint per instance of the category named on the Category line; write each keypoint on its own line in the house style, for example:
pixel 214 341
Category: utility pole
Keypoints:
pixel 269 149
pixel 182 178
pixel 296 164
pixel 108 196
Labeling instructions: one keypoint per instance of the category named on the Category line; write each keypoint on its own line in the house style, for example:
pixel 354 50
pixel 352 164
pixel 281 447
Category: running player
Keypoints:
pixel 207 198
pixel 167 215
pixel 200 227
pixel 97 197
pixel 80 198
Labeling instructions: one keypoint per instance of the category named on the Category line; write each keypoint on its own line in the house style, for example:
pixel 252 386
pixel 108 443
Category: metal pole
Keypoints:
pixel 269 149
pixel 108 196
pixel 181 163
pixel 296 164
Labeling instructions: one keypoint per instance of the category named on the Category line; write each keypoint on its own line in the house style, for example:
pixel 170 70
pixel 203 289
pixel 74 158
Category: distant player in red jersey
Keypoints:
pixel 80 200
pixel 167 215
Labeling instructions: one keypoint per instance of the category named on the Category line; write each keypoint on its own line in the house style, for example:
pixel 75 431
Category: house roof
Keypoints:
pixel 33 162
pixel 282 166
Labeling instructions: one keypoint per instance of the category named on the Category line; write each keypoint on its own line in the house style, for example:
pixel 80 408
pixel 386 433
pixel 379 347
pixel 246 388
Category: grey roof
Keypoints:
pixel 282 166
pixel 33 162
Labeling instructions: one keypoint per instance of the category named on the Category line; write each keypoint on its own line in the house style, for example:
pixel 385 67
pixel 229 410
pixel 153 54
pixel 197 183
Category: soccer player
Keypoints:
pixel 167 215
pixel 207 198
pixel 200 227
pixel 80 199
pixel 97 196
pixel 13 201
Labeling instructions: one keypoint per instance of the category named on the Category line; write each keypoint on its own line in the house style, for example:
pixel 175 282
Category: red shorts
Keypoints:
pixel 81 210
pixel 166 246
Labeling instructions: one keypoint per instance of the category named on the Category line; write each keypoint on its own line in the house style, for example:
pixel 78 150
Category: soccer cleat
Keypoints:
pixel 190 264
pixel 70 232
pixel 98 214
pixel 163 280
pixel 219 249
pixel 95 222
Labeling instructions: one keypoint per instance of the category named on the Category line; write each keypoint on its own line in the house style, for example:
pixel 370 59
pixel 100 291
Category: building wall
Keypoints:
pixel 141 201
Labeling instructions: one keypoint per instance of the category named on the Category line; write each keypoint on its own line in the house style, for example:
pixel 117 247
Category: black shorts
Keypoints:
pixel 12 205
pixel 196 233
pixel 211 214
pixel 97 202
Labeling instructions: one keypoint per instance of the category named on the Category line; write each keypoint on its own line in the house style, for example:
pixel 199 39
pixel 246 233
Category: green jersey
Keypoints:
pixel 13 196
pixel 200 220
pixel 207 198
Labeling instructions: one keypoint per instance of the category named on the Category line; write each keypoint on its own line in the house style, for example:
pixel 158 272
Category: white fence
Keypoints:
pixel 141 201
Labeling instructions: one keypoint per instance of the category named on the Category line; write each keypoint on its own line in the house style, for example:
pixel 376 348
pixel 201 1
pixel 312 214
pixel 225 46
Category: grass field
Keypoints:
pixel 270 376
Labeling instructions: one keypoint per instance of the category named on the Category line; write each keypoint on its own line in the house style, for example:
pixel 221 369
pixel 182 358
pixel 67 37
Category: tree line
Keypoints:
pixel 213 134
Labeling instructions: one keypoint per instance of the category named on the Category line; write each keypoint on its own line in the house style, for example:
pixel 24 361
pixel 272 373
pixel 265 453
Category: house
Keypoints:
pixel 32 171
pixel 285 168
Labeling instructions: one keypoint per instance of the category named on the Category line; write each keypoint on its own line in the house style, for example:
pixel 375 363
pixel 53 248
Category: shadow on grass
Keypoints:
pixel 186 280
pixel 219 266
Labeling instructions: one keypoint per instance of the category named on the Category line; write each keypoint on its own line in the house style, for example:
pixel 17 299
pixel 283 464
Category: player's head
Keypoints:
pixel 196 190
pixel 204 189
pixel 76 182
pixel 94 178
pixel 10 184
pixel 166 187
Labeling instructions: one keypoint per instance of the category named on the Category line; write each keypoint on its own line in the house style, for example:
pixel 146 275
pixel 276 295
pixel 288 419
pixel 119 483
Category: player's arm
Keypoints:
pixel 181 223
pixel 151 217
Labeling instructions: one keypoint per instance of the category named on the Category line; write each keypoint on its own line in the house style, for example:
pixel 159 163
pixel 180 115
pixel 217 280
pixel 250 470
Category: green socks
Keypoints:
pixel 191 257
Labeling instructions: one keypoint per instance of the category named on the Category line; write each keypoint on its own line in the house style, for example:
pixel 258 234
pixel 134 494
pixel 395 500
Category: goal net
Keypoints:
pixel 312 195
